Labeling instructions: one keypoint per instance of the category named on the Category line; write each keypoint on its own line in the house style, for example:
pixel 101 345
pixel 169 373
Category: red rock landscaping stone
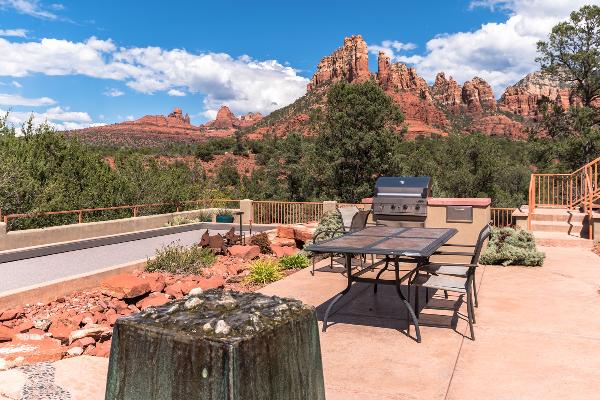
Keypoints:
pixel 154 300
pixel 94 331
pixel 281 251
pixel 6 334
pixel 62 331
pixel 278 241
pixel 23 326
pixel 11 313
pixel 23 352
pixel 213 282
pixel 101 350
pixel 125 286
pixel 155 280
pixel 286 231
pixel 304 233
pixel 244 252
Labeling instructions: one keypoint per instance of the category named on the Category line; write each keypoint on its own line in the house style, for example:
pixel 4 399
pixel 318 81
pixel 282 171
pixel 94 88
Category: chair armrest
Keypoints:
pixel 331 232
pixel 458 245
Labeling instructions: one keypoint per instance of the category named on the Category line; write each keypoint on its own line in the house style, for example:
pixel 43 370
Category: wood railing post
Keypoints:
pixel 531 200
pixel 80 219
pixel 135 212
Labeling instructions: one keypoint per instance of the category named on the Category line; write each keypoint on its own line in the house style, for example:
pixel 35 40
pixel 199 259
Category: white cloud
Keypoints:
pixel 243 83
pixel 16 100
pixel 391 47
pixel 16 84
pixel 22 33
pixel 29 7
pixel 501 53
pixel 113 92
pixel 175 92
pixel 59 118
pixel 129 118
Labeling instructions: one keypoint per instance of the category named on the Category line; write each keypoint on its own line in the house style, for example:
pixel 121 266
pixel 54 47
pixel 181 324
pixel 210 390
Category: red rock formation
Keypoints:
pixel 478 96
pixel 498 125
pixel 523 98
pixel 350 62
pixel 225 119
pixel 447 92
pixel 398 77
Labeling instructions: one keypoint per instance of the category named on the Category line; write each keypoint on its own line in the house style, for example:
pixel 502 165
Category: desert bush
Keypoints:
pixel 295 261
pixel 330 222
pixel 262 240
pixel 508 246
pixel 178 259
pixel 181 220
pixel 264 271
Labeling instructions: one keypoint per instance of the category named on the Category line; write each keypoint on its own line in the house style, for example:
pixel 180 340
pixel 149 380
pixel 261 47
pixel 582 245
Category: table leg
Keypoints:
pixel 379 274
pixel 406 303
pixel 342 293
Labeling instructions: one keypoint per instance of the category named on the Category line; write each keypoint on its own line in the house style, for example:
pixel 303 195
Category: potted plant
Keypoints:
pixel 224 215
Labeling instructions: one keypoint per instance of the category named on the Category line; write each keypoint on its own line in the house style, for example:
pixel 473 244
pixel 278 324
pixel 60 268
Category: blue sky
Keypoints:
pixel 78 63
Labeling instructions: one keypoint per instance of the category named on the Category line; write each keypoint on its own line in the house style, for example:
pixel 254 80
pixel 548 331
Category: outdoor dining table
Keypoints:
pixel 397 244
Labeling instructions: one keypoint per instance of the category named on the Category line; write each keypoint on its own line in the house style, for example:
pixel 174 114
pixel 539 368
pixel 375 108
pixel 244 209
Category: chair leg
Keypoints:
pixel 417 301
pixel 313 265
pixel 475 291
pixel 445 294
pixel 470 314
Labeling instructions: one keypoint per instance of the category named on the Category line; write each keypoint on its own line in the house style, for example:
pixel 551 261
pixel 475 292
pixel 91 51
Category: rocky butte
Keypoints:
pixel 153 130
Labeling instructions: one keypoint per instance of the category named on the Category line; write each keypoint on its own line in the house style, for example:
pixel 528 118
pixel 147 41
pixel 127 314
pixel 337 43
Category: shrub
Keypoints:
pixel 178 259
pixel 509 246
pixel 225 212
pixel 262 240
pixel 264 271
pixel 296 261
pixel 181 220
pixel 329 223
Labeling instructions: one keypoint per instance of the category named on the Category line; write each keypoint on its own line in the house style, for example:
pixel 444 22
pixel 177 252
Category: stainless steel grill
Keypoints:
pixel 401 200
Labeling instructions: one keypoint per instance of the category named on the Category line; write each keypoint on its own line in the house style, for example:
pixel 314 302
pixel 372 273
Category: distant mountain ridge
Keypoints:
pixel 438 109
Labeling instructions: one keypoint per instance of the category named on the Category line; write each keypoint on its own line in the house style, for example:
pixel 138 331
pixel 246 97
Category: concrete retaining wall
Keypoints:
pixel 67 233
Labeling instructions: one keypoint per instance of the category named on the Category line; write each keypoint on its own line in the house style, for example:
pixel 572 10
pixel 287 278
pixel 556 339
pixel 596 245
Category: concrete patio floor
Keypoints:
pixel 537 337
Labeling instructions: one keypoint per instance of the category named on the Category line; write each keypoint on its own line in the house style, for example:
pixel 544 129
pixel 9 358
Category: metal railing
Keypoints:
pixel 286 212
pixel 580 188
pixel 134 210
pixel 502 217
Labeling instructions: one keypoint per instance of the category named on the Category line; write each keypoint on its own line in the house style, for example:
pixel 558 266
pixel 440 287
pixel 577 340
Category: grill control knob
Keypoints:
pixel 393 206
pixel 405 207
pixel 417 207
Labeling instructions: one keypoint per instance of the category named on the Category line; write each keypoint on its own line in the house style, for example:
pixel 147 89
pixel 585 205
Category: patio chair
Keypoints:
pixel 449 277
pixel 358 222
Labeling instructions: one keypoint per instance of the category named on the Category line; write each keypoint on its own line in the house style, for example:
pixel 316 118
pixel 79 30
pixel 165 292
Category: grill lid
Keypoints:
pixel 403 186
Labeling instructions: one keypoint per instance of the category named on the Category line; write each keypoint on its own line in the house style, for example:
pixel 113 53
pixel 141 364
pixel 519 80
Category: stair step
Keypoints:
pixel 562 227
pixel 565 218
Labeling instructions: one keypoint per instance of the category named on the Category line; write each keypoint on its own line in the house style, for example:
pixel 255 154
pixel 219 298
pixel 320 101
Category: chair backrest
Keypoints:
pixel 347 214
pixel 359 221
pixel 483 235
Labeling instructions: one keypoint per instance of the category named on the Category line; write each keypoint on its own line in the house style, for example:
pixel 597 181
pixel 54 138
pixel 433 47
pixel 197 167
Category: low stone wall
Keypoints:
pixel 67 233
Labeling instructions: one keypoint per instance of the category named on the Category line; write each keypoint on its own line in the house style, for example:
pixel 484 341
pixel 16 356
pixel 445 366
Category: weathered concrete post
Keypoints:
pixel 329 206
pixel 3 229
pixel 248 210
pixel 218 345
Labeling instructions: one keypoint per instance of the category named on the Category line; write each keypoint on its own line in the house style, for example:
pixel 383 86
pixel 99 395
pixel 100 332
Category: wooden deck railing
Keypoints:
pixel 134 210
pixel 580 188
pixel 502 217
pixel 286 212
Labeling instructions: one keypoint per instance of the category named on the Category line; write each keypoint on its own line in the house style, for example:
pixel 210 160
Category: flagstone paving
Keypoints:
pixel 537 331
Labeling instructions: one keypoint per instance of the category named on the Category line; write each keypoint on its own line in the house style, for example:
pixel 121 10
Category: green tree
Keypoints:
pixel 572 52
pixel 356 141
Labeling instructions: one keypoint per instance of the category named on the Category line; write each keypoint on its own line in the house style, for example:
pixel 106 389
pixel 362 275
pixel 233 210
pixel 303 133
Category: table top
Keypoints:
pixel 409 242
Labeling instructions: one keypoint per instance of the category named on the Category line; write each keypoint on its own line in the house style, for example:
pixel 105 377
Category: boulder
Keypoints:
pixel 11 313
pixel 153 300
pixel 6 334
pixel 94 331
pixel 245 252
pixel 281 251
pixel 155 280
pixel 214 281
pixel 21 352
pixel 125 286
pixel 286 231
pixel 280 241
pixel 62 331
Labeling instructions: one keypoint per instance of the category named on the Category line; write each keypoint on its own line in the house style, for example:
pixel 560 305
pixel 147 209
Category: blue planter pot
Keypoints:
pixel 225 218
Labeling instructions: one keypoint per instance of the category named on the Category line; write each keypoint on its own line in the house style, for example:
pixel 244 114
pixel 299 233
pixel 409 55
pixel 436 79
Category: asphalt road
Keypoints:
pixel 31 271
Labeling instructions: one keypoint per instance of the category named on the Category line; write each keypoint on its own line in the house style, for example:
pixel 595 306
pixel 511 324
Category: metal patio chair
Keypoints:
pixel 358 222
pixel 451 277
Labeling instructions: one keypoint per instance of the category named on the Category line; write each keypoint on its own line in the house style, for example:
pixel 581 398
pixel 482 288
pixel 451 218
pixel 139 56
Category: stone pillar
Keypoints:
pixel 3 236
pixel 329 206
pixel 218 345
pixel 248 210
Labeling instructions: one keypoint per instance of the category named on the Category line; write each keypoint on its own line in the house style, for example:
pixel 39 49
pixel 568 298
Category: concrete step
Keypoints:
pixel 555 239
pixel 567 216
pixel 559 227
